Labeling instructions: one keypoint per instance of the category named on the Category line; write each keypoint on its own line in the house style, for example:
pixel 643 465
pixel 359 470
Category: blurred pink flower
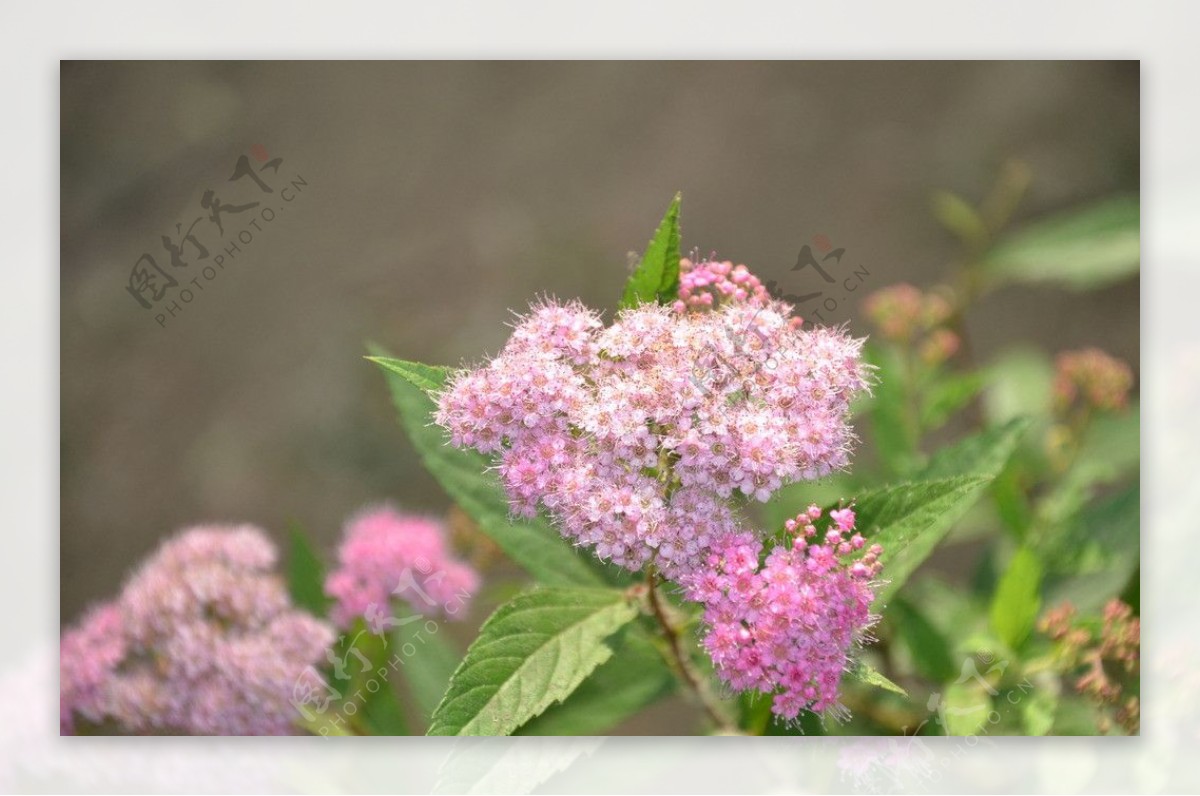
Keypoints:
pixel 385 554
pixel 202 640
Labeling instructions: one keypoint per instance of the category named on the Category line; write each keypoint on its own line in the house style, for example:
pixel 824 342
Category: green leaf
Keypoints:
pixel 1019 383
pixel 926 645
pixel 947 395
pixel 632 679
pixel 305 574
pixel 531 653
pixel 956 215
pixel 377 707
pixel 983 454
pixel 893 427
pixel 1109 452
pixel 1104 535
pixel 1092 557
pixel 865 673
pixel 466 477
pixel 1017 600
pixel 429 378
pixel 1038 709
pixel 967 706
pixel 910 519
pixel 427 659
pixel 1092 247
pixel 657 275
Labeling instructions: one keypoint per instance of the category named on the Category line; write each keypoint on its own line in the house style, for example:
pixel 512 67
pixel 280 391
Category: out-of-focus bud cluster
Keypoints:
pixel 906 315
pixel 1102 663
pixel 1093 378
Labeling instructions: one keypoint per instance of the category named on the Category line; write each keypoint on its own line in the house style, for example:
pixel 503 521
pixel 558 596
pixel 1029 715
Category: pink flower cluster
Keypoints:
pixel 388 554
pixel 1093 377
pixel 705 284
pixel 904 314
pixel 790 622
pixel 634 436
pixel 202 640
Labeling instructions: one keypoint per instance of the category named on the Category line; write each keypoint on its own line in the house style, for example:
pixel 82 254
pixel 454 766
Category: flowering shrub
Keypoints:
pixel 680 486
pixel 635 438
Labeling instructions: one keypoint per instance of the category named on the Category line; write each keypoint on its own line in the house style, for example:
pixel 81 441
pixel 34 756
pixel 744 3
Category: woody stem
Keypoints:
pixel 680 659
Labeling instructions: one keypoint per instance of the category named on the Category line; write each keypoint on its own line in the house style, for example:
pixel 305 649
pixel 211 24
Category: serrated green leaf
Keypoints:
pixel 634 678
pixel 1092 557
pixel 465 476
pixel 927 647
pixel 657 275
pixel 865 673
pixel 1017 600
pixel 1087 248
pixel 429 378
pixel 910 519
pixel 983 454
pixel 1104 535
pixel 305 574
pixel 531 653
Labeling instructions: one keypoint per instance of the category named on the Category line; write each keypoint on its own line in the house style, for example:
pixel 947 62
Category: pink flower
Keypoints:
pixel 657 401
pixel 88 659
pixel 844 519
pixel 1099 380
pixel 789 626
pixel 202 640
pixel 634 437
pixel 387 554
pixel 706 284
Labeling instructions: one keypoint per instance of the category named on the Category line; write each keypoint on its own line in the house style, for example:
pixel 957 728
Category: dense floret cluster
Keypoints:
pixel 637 437
pixel 1092 378
pixel 387 554
pixel 788 622
pixel 202 640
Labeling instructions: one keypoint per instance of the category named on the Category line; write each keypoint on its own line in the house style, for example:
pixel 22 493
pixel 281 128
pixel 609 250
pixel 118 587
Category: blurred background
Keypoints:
pixel 430 199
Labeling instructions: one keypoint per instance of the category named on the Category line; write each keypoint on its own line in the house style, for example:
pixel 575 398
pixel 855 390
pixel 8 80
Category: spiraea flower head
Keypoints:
pixel 790 624
pixel 387 554
pixel 619 432
pixel 202 640
pixel 639 438
pixel 89 656
pixel 1104 663
pixel 905 314
pixel 1093 377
